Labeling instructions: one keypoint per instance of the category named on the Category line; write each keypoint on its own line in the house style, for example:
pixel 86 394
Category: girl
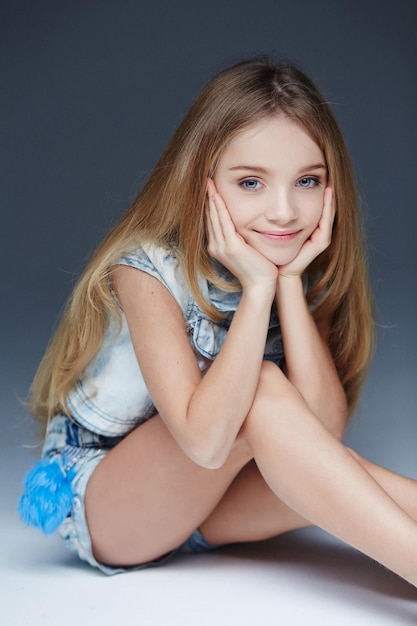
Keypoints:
pixel 206 363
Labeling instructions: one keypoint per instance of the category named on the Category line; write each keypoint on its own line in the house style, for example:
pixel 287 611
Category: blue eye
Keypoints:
pixel 250 183
pixel 307 182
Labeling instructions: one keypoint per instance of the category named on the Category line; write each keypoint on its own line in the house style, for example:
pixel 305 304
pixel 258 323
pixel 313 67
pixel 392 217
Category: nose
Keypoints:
pixel 281 207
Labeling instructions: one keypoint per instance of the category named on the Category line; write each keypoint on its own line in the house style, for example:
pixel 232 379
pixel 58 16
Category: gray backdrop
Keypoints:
pixel 91 92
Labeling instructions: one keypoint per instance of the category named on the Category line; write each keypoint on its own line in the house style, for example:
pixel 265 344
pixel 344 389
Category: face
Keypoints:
pixel 272 177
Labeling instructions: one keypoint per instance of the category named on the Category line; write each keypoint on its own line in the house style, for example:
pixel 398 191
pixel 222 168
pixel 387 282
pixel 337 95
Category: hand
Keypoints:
pixel 318 241
pixel 227 246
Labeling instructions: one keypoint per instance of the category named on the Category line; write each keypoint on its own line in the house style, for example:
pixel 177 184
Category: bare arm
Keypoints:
pixel 204 414
pixel 309 364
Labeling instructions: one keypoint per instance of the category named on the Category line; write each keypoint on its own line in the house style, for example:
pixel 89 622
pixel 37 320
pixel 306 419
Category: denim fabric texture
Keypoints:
pixel 111 397
pixel 81 452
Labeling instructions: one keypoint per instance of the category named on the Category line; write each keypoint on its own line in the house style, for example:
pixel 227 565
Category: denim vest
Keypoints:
pixel 111 397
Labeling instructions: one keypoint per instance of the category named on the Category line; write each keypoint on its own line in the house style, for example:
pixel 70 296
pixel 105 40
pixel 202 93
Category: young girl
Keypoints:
pixel 197 389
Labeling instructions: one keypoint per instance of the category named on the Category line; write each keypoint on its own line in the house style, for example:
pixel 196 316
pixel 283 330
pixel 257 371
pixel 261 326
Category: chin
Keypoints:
pixel 281 259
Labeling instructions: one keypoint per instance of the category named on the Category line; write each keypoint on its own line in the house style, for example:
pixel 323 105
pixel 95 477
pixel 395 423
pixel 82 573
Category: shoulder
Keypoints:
pixel 151 258
pixel 161 263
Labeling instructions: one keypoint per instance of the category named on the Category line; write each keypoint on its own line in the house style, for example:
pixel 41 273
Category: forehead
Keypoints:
pixel 270 137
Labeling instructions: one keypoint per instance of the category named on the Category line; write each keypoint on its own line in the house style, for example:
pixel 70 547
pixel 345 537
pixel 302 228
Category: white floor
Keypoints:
pixel 303 578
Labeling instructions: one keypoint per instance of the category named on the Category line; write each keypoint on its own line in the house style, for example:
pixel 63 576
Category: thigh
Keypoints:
pixel 249 511
pixel 146 496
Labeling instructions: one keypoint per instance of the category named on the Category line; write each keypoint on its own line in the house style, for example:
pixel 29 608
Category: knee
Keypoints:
pixel 274 389
pixel 270 373
pixel 275 398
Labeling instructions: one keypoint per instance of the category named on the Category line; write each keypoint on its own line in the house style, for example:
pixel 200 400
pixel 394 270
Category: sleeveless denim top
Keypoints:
pixel 111 398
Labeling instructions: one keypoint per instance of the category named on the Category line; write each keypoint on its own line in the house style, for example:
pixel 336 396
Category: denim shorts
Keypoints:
pixel 81 451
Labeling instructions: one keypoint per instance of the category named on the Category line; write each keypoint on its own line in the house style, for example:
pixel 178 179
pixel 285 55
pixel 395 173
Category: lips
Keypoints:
pixel 282 236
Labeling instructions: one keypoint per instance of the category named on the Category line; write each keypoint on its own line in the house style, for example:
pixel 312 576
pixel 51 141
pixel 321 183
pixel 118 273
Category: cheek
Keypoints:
pixel 316 221
pixel 234 205
pixel 314 213
pixel 236 215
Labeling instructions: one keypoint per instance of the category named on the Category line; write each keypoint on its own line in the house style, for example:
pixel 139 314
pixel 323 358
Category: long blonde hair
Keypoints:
pixel 169 210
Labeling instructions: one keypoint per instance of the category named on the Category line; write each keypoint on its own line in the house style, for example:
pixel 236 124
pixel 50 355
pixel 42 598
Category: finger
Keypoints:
pixel 328 213
pixel 209 225
pixel 225 220
pixel 213 222
pixel 214 201
pixel 213 195
pixel 211 187
pixel 218 206
pixel 329 205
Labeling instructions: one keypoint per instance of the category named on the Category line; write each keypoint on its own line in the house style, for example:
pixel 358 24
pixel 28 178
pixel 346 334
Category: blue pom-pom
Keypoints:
pixel 47 497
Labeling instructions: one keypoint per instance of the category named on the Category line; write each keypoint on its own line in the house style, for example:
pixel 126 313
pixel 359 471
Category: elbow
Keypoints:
pixel 207 458
pixel 215 456
pixel 210 455
pixel 210 464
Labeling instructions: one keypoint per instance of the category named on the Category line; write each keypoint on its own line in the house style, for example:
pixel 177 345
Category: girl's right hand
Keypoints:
pixel 227 246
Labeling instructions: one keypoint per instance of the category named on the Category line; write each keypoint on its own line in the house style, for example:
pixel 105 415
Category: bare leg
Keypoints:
pixel 316 476
pixel 146 496
pixel 249 511
pixel 401 489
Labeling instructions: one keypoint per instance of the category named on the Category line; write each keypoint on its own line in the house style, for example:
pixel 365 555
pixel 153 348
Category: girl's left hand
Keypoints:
pixel 318 241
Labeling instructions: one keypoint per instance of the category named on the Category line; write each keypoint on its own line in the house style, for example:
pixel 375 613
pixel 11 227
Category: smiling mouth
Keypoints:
pixel 278 236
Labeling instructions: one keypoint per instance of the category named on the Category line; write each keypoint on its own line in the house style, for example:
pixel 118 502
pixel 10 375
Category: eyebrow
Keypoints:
pixel 262 170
